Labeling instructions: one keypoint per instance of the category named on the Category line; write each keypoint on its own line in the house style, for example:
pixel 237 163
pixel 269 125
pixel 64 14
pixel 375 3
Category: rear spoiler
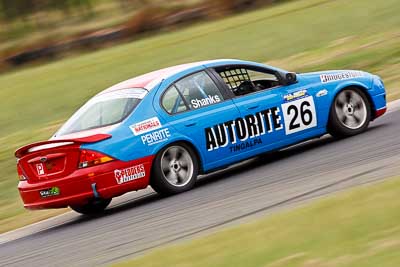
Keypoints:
pixel 59 142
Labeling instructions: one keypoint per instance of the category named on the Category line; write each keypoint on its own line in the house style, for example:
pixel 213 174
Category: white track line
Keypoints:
pixel 393 106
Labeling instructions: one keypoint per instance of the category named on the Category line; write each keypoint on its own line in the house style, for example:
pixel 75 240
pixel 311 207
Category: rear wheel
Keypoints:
pixel 175 170
pixel 350 113
pixel 93 207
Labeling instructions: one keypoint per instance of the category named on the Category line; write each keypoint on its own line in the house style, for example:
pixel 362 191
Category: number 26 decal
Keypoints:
pixel 299 115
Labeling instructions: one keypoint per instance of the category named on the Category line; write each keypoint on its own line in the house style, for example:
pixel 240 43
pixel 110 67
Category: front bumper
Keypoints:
pixel 379 102
pixel 106 181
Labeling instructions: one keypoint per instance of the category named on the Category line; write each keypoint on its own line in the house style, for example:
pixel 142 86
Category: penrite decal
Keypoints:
pixel 242 129
pixel 325 78
pixel 156 137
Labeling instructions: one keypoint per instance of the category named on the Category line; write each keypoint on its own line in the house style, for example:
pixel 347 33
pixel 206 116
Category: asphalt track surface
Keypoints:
pixel 138 222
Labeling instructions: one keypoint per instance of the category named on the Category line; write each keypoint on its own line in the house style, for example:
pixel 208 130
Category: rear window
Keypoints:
pixel 103 110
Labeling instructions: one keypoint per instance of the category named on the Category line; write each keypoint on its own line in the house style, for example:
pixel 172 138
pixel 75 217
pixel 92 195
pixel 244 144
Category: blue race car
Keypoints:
pixel 166 127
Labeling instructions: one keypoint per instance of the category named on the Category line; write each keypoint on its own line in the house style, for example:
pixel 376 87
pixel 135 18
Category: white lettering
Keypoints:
pixel 156 137
pixel 209 100
pixel 340 76
pixel 40 169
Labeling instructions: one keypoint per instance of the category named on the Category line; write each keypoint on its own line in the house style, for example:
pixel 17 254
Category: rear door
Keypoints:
pixel 257 94
pixel 197 108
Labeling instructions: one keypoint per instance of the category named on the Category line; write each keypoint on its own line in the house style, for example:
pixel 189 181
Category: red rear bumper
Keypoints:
pixel 108 180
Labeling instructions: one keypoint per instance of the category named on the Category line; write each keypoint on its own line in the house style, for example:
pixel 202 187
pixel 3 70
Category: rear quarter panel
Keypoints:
pixel 126 144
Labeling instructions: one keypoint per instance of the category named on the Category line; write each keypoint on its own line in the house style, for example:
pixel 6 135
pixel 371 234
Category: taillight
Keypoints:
pixel 20 173
pixel 90 158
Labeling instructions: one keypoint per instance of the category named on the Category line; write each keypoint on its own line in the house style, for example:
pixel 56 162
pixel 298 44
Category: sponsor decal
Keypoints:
pixel 295 95
pixel 209 100
pixel 146 126
pixel 156 137
pixel 243 130
pixel 245 145
pixel 40 169
pixel 325 78
pixel 51 192
pixel 299 115
pixel 129 174
pixel 322 92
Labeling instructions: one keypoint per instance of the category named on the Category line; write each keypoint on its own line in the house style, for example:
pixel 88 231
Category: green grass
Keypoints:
pixel 355 228
pixel 378 53
pixel 298 35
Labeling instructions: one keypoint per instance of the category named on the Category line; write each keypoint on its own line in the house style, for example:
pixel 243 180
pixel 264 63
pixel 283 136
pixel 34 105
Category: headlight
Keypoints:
pixel 378 83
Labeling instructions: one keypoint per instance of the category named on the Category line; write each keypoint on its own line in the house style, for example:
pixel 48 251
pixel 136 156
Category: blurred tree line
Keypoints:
pixel 13 9
pixel 33 30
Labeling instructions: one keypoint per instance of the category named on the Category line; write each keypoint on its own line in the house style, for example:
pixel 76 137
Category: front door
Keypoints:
pixel 257 94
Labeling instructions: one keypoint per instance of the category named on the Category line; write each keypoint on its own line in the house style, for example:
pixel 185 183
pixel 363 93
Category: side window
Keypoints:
pixel 243 81
pixel 199 90
pixel 172 101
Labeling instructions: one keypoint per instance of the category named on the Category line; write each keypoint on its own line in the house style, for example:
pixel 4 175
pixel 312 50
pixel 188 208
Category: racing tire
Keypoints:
pixel 93 207
pixel 175 170
pixel 350 113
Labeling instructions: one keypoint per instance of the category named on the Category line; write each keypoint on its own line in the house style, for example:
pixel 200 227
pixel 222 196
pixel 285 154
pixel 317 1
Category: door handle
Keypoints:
pixel 190 124
pixel 253 107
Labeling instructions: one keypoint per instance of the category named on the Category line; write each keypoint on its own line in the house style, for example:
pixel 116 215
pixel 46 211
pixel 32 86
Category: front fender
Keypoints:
pixel 365 85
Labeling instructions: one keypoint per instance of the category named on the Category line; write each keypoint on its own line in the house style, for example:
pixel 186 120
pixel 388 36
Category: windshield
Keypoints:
pixel 103 110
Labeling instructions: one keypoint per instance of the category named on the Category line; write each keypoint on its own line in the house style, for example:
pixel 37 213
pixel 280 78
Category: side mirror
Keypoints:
pixel 290 78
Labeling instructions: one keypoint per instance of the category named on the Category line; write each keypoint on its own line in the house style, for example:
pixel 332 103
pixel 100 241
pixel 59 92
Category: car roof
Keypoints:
pixel 149 80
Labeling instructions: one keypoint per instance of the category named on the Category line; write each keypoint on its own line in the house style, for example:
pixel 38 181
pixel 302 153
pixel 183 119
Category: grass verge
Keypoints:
pixel 355 228
pixel 303 35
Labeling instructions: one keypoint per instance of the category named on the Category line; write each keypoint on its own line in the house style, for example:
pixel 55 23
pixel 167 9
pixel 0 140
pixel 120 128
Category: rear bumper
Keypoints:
pixel 110 179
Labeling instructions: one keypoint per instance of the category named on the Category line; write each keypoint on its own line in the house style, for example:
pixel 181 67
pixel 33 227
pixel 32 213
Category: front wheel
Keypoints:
pixel 175 170
pixel 93 207
pixel 350 113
